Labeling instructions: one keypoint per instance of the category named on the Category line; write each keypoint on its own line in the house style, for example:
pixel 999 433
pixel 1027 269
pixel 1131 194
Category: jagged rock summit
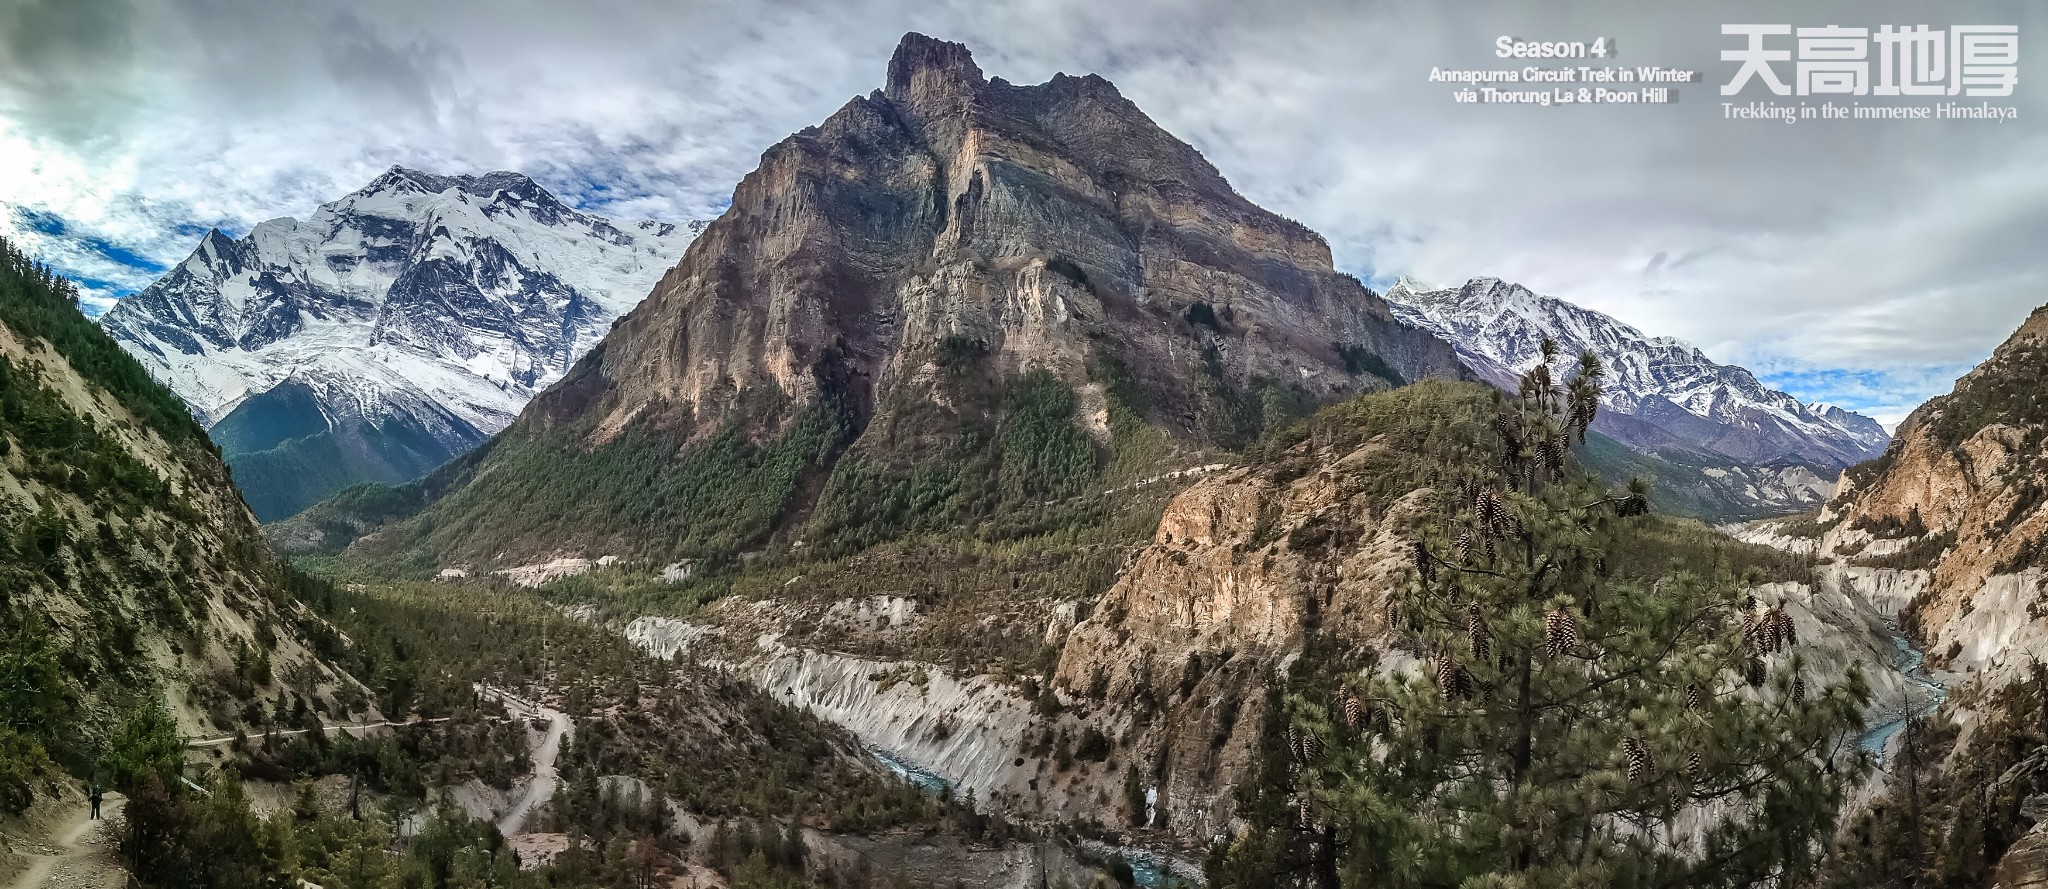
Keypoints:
pixel 1040 223
pixel 901 266
pixel 389 330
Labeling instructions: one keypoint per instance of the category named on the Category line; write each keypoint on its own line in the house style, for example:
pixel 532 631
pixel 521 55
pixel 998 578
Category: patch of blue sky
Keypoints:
pixel 54 226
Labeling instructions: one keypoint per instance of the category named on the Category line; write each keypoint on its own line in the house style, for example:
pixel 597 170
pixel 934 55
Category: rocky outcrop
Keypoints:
pixel 1957 501
pixel 1248 563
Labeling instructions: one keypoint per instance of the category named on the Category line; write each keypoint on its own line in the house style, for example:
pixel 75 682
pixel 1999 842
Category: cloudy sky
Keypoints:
pixel 1861 262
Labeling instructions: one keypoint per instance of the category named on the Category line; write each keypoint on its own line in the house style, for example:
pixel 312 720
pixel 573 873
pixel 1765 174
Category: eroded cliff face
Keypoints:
pixel 1958 500
pixel 1178 655
pixel 1303 546
pixel 1039 225
pixel 1171 667
pixel 1177 652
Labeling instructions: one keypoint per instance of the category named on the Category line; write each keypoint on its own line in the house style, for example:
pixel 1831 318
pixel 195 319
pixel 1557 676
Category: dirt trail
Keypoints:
pixel 77 859
pixel 353 727
pixel 541 785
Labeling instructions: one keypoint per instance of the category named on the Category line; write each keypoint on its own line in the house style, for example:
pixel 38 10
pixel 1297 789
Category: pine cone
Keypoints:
pixel 1505 428
pixel 1453 681
pixel 1633 505
pixel 1560 632
pixel 1495 519
pixel 1788 635
pixel 1693 696
pixel 1639 765
pixel 1465 547
pixel 1354 710
pixel 1798 690
pixel 1423 565
pixel 1476 631
pixel 1584 410
pixel 1756 673
pixel 1306 814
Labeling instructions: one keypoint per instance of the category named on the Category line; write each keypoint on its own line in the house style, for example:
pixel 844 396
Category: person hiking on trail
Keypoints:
pixel 96 796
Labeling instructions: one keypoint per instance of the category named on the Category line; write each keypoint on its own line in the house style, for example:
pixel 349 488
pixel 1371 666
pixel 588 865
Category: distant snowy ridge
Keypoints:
pixel 1661 394
pixel 419 313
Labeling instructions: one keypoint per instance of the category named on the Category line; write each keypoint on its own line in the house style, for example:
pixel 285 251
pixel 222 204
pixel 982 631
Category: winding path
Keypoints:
pixel 352 727
pixel 68 841
pixel 540 787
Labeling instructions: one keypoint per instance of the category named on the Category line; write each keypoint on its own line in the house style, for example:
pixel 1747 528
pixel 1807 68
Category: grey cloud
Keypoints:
pixel 1852 245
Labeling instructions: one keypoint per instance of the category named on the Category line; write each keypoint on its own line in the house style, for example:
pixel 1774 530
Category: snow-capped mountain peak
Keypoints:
pixel 418 294
pixel 1661 392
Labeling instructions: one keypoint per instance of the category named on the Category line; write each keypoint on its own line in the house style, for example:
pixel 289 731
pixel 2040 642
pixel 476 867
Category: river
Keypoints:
pixel 1150 868
pixel 1913 663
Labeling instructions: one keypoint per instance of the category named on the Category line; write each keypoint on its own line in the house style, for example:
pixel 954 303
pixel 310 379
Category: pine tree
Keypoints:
pixel 1134 797
pixel 1566 710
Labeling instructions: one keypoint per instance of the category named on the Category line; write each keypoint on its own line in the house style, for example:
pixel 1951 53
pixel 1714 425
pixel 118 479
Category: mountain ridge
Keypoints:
pixel 132 574
pixel 394 327
pixel 1491 320
pixel 1724 445
pixel 992 288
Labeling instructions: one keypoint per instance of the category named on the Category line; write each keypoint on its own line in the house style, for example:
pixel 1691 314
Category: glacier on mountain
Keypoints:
pixel 389 330
pixel 1662 393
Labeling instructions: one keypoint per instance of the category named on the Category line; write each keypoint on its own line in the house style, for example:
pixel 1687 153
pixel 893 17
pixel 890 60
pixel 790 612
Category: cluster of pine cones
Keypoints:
pixel 1495 519
pixel 1476 631
pixel 1364 714
pixel 1306 747
pixel 1769 632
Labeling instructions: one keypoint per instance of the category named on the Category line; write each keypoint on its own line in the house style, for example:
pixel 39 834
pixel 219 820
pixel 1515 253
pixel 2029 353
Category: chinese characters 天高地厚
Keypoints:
pixel 1911 60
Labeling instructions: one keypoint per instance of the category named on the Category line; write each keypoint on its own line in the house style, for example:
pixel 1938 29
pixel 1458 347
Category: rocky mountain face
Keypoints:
pixel 954 293
pixel 1953 511
pixel 390 330
pixel 1947 530
pixel 1748 449
pixel 130 571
